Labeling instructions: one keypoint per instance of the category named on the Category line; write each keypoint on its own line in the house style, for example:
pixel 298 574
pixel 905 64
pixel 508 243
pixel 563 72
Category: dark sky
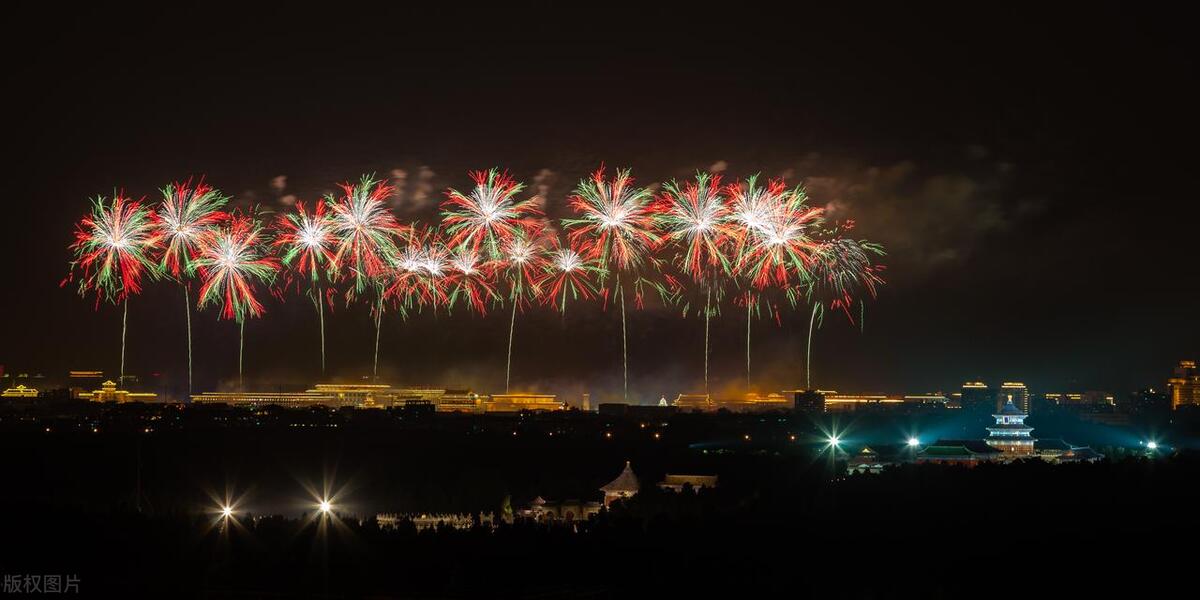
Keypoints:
pixel 1030 172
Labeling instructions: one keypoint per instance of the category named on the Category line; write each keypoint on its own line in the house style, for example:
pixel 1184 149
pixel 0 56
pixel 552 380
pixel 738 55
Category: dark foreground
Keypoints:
pixel 133 515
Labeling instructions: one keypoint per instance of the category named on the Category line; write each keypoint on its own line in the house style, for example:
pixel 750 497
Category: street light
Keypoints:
pixel 913 442
pixel 833 440
pixel 1152 445
pixel 226 511
pixel 325 506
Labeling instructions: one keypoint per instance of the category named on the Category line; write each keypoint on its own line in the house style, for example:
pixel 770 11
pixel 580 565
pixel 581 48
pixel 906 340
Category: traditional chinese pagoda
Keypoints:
pixel 1010 434
pixel 624 486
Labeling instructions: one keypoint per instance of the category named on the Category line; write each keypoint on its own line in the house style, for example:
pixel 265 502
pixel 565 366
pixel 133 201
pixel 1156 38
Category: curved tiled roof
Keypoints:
pixel 625 482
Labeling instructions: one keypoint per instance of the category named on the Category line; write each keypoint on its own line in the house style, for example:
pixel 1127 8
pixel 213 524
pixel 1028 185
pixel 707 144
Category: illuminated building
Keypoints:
pixel 362 395
pixel 586 406
pixel 1184 387
pixel 1059 451
pixel 520 402
pixel 425 521
pixel 1080 398
pixel 751 402
pixel 20 392
pixel 1010 434
pixel 259 399
pixel 873 459
pixel 567 510
pixel 975 395
pixel 338 395
pixel 700 402
pixel 966 453
pixel 108 392
pixel 624 486
pixel 808 401
pixel 835 402
pixel 676 483
pixel 1013 391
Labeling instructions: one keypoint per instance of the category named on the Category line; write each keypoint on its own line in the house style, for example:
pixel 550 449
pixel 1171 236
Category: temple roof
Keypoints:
pixel 1009 410
pixel 625 482
pixel 976 446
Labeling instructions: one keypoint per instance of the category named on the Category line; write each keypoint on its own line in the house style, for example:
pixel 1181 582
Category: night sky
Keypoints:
pixel 1031 173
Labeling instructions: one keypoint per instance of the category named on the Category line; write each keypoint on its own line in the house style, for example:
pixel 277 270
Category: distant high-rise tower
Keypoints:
pixel 1184 387
pixel 1015 391
pixel 587 402
pixel 976 396
pixel 1010 434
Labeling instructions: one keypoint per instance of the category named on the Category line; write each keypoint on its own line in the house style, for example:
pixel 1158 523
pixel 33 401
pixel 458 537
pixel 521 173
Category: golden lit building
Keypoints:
pixel 835 402
pixel 20 392
pixel 751 402
pixel 1184 387
pixel 676 483
pixel 694 402
pixel 520 402
pixel 259 399
pixel 108 392
pixel 359 395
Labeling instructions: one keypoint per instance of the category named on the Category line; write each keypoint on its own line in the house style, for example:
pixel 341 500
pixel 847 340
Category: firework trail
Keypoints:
pixel 522 269
pixel 695 219
pixel 186 214
pixel 614 226
pixel 113 247
pixel 231 260
pixel 842 269
pixel 306 243
pixel 366 231
pixel 490 215
pixel 774 228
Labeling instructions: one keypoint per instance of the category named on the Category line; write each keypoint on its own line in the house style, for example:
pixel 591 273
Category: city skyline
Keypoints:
pixel 1010 256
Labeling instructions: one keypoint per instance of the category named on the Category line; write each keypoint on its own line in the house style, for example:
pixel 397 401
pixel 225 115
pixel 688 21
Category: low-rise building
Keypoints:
pixel 20 391
pixel 108 392
pixel 676 483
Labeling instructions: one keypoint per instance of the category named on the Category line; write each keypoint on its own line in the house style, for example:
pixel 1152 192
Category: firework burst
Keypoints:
pixel 696 218
pixel 616 221
pixel 569 272
pixel 366 231
pixel 775 232
pixel 186 214
pixel 230 262
pixel 490 215
pixel 843 267
pixel 470 280
pixel 306 242
pixel 113 248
